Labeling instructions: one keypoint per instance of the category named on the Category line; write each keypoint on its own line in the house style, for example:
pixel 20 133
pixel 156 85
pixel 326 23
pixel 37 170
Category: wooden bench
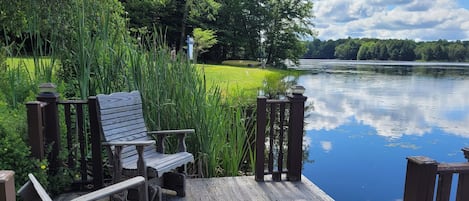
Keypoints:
pixel 423 173
pixel 33 190
pixel 133 151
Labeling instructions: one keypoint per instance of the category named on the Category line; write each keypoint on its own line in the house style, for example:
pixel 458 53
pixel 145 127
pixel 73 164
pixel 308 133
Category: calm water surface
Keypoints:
pixel 366 119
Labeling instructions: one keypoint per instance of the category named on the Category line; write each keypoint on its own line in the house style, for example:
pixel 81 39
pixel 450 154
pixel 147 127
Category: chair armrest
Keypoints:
pixel 160 135
pixel 117 152
pixel 112 189
pixel 165 132
pixel 129 143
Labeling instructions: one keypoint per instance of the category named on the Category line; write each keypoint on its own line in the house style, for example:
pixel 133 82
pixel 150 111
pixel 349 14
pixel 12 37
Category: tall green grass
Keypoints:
pixel 176 96
pixel 102 58
pixel 174 92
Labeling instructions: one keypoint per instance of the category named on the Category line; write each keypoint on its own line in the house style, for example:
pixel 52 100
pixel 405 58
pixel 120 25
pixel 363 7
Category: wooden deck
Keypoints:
pixel 243 188
pixel 246 188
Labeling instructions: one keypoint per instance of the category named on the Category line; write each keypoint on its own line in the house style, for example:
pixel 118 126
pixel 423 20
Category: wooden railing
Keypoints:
pixel 82 138
pixel 280 123
pixel 423 173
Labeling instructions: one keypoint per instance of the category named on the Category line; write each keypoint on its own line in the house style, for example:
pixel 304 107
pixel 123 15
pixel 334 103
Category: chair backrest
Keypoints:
pixel 33 190
pixel 121 116
pixel 121 119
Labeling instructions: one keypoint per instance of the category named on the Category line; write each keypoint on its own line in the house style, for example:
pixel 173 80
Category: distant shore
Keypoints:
pixel 324 63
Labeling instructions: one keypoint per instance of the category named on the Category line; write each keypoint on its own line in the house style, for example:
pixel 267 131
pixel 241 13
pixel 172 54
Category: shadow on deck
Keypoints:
pixel 246 188
pixel 241 188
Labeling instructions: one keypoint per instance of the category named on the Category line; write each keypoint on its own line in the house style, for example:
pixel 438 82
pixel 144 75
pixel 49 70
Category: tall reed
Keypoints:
pixel 175 96
pixel 102 58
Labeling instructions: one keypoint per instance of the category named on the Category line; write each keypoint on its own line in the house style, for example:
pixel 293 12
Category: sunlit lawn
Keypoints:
pixel 28 63
pixel 235 81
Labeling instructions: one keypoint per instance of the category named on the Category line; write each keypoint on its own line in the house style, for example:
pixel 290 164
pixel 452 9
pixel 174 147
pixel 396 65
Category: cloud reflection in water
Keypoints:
pixel 394 105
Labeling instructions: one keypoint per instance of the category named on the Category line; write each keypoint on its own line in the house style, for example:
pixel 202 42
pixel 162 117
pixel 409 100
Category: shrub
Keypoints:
pixel 247 63
pixel 14 152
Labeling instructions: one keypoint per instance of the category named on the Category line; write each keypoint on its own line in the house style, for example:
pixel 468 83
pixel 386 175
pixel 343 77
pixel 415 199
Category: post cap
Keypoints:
pixel 297 90
pixel 47 88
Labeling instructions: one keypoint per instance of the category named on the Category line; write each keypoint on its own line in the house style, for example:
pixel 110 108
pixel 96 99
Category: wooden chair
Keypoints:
pixel 33 190
pixel 133 151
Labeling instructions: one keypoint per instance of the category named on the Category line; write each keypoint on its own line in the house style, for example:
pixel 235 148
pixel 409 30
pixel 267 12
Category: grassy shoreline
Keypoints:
pixel 237 81
pixel 234 81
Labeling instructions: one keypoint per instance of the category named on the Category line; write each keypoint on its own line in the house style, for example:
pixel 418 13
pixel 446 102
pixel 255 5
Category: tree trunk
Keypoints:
pixel 184 23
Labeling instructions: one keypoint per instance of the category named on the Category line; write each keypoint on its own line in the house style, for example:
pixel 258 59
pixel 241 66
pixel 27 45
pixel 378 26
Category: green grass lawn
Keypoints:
pixel 21 62
pixel 233 81
pixel 239 81
pixel 27 64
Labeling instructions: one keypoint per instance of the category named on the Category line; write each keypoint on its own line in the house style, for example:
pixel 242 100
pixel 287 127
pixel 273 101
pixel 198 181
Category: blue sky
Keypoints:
pixel 420 20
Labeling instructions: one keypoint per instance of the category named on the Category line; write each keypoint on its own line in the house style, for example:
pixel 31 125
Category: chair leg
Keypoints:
pixel 155 193
pixel 176 182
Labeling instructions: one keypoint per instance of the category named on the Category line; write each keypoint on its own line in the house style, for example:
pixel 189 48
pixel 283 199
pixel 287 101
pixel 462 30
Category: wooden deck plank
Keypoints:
pixel 243 188
pixel 246 188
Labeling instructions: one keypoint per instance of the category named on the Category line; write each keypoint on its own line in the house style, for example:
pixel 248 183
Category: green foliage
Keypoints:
pixel 457 52
pixel 12 16
pixel 15 82
pixel 366 50
pixel 203 40
pixel 175 96
pixel 284 23
pixel 14 152
pixel 390 49
pixel 347 50
pixel 244 63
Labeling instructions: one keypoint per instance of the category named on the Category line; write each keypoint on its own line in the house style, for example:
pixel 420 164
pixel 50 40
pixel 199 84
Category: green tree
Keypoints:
pixel 456 52
pixel 328 49
pixel 195 13
pixel 381 51
pixel 366 51
pixel 203 40
pixel 347 50
pixel 239 26
pixel 440 53
pixel 285 22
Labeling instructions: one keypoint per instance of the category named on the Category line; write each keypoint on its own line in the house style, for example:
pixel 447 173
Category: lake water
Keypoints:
pixel 366 118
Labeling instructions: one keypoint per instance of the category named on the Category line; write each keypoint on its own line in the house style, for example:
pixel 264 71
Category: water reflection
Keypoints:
pixel 392 102
pixel 365 120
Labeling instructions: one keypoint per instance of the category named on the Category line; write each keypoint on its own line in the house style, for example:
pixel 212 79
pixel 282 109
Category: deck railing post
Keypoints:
pixel 95 144
pixel 7 185
pixel 35 129
pixel 260 137
pixel 295 134
pixel 420 179
pixel 51 123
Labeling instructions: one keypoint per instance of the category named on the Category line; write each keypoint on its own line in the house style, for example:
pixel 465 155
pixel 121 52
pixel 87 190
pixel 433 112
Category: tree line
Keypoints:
pixel 244 29
pixel 390 49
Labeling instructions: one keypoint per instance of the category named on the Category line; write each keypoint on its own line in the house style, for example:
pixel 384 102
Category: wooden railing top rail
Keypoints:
pixel 63 102
pixel 444 168
pixel 278 101
pixel 40 103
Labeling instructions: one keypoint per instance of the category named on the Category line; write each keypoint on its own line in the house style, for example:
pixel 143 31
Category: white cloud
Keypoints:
pixel 402 19
pixel 326 146
pixel 412 109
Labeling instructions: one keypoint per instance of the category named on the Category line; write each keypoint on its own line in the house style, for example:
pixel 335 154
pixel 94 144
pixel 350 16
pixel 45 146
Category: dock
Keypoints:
pixel 246 188
pixel 241 188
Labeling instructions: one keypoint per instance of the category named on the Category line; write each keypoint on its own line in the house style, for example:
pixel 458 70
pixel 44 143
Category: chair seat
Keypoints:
pixel 158 163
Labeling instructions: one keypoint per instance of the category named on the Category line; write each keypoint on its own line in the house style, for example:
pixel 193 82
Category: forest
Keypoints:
pixel 243 29
pixel 390 49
